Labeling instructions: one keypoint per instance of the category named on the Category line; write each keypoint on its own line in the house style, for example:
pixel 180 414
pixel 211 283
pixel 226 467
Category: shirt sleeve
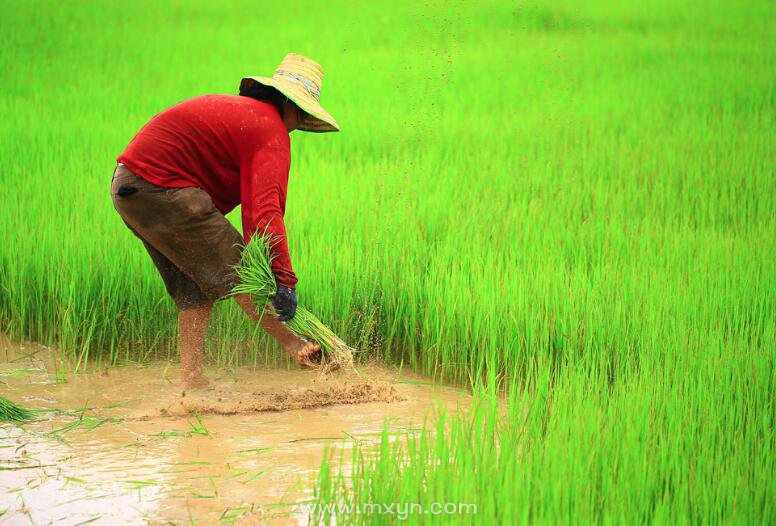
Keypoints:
pixel 263 186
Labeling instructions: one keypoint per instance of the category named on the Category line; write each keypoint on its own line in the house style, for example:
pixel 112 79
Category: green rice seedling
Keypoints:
pixel 257 280
pixel 86 423
pixel 20 372
pixel 139 484
pixel 13 412
pixel 256 476
pixel 232 513
pixel 198 428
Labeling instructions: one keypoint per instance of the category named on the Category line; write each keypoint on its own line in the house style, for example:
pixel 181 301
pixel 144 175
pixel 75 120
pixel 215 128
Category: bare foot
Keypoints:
pixel 304 352
pixel 199 381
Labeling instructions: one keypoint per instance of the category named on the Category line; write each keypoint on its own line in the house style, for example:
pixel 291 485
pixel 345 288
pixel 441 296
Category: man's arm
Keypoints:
pixel 263 186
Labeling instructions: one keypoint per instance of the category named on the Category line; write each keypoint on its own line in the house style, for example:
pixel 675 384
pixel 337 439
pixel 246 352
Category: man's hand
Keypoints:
pixel 284 302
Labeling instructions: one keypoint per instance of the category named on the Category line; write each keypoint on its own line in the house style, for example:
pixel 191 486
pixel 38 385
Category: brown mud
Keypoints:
pixel 123 446
pixel 285 400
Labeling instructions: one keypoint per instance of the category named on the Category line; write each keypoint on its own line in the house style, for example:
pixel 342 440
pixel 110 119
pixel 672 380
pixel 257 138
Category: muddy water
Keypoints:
pixel 112 451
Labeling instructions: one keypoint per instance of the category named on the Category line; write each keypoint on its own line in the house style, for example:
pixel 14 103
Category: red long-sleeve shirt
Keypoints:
pixel 236 149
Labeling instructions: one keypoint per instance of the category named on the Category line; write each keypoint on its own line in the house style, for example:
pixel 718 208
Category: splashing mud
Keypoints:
pixel 121 445
pixel 288 400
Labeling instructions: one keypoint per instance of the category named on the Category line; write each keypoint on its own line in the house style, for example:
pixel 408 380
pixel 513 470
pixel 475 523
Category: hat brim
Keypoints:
pixel 318 120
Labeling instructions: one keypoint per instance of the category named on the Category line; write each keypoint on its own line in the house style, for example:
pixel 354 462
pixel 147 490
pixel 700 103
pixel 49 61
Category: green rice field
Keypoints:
pixel 567 207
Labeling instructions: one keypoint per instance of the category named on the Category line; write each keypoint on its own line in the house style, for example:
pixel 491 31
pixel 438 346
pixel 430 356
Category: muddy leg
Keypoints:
pixel 297 347
pixel 192 328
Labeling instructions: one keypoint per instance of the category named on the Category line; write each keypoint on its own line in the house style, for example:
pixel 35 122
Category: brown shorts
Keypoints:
pixel 194 247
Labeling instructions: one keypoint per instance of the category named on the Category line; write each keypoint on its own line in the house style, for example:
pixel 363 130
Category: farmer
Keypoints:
pixel 193 163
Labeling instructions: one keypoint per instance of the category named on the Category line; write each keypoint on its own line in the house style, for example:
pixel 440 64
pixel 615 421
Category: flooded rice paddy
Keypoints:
pixel 120 445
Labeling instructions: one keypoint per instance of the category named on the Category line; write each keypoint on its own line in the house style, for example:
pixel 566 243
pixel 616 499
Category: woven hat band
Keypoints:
pixel 309 86
pixel 299 78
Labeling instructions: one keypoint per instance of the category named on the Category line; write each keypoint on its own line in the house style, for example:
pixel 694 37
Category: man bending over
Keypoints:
pixel 193 163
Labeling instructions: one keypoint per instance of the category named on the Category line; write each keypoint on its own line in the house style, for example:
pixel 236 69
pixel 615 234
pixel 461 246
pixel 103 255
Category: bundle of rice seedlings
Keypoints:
pixel 12 412
pixel 257 280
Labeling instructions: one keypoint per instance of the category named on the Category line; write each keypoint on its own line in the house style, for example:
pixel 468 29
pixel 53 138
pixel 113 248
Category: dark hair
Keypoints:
pixel 264 93
pixel 269 94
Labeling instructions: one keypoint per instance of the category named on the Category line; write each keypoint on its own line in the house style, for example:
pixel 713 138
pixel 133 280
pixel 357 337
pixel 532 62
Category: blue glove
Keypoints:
pixel 284 302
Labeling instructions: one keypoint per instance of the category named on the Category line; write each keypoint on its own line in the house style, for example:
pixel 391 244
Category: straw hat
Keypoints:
pixel 299 79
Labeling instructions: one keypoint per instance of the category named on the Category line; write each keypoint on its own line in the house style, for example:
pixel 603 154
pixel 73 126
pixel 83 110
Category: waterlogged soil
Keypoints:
pixel 121 445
